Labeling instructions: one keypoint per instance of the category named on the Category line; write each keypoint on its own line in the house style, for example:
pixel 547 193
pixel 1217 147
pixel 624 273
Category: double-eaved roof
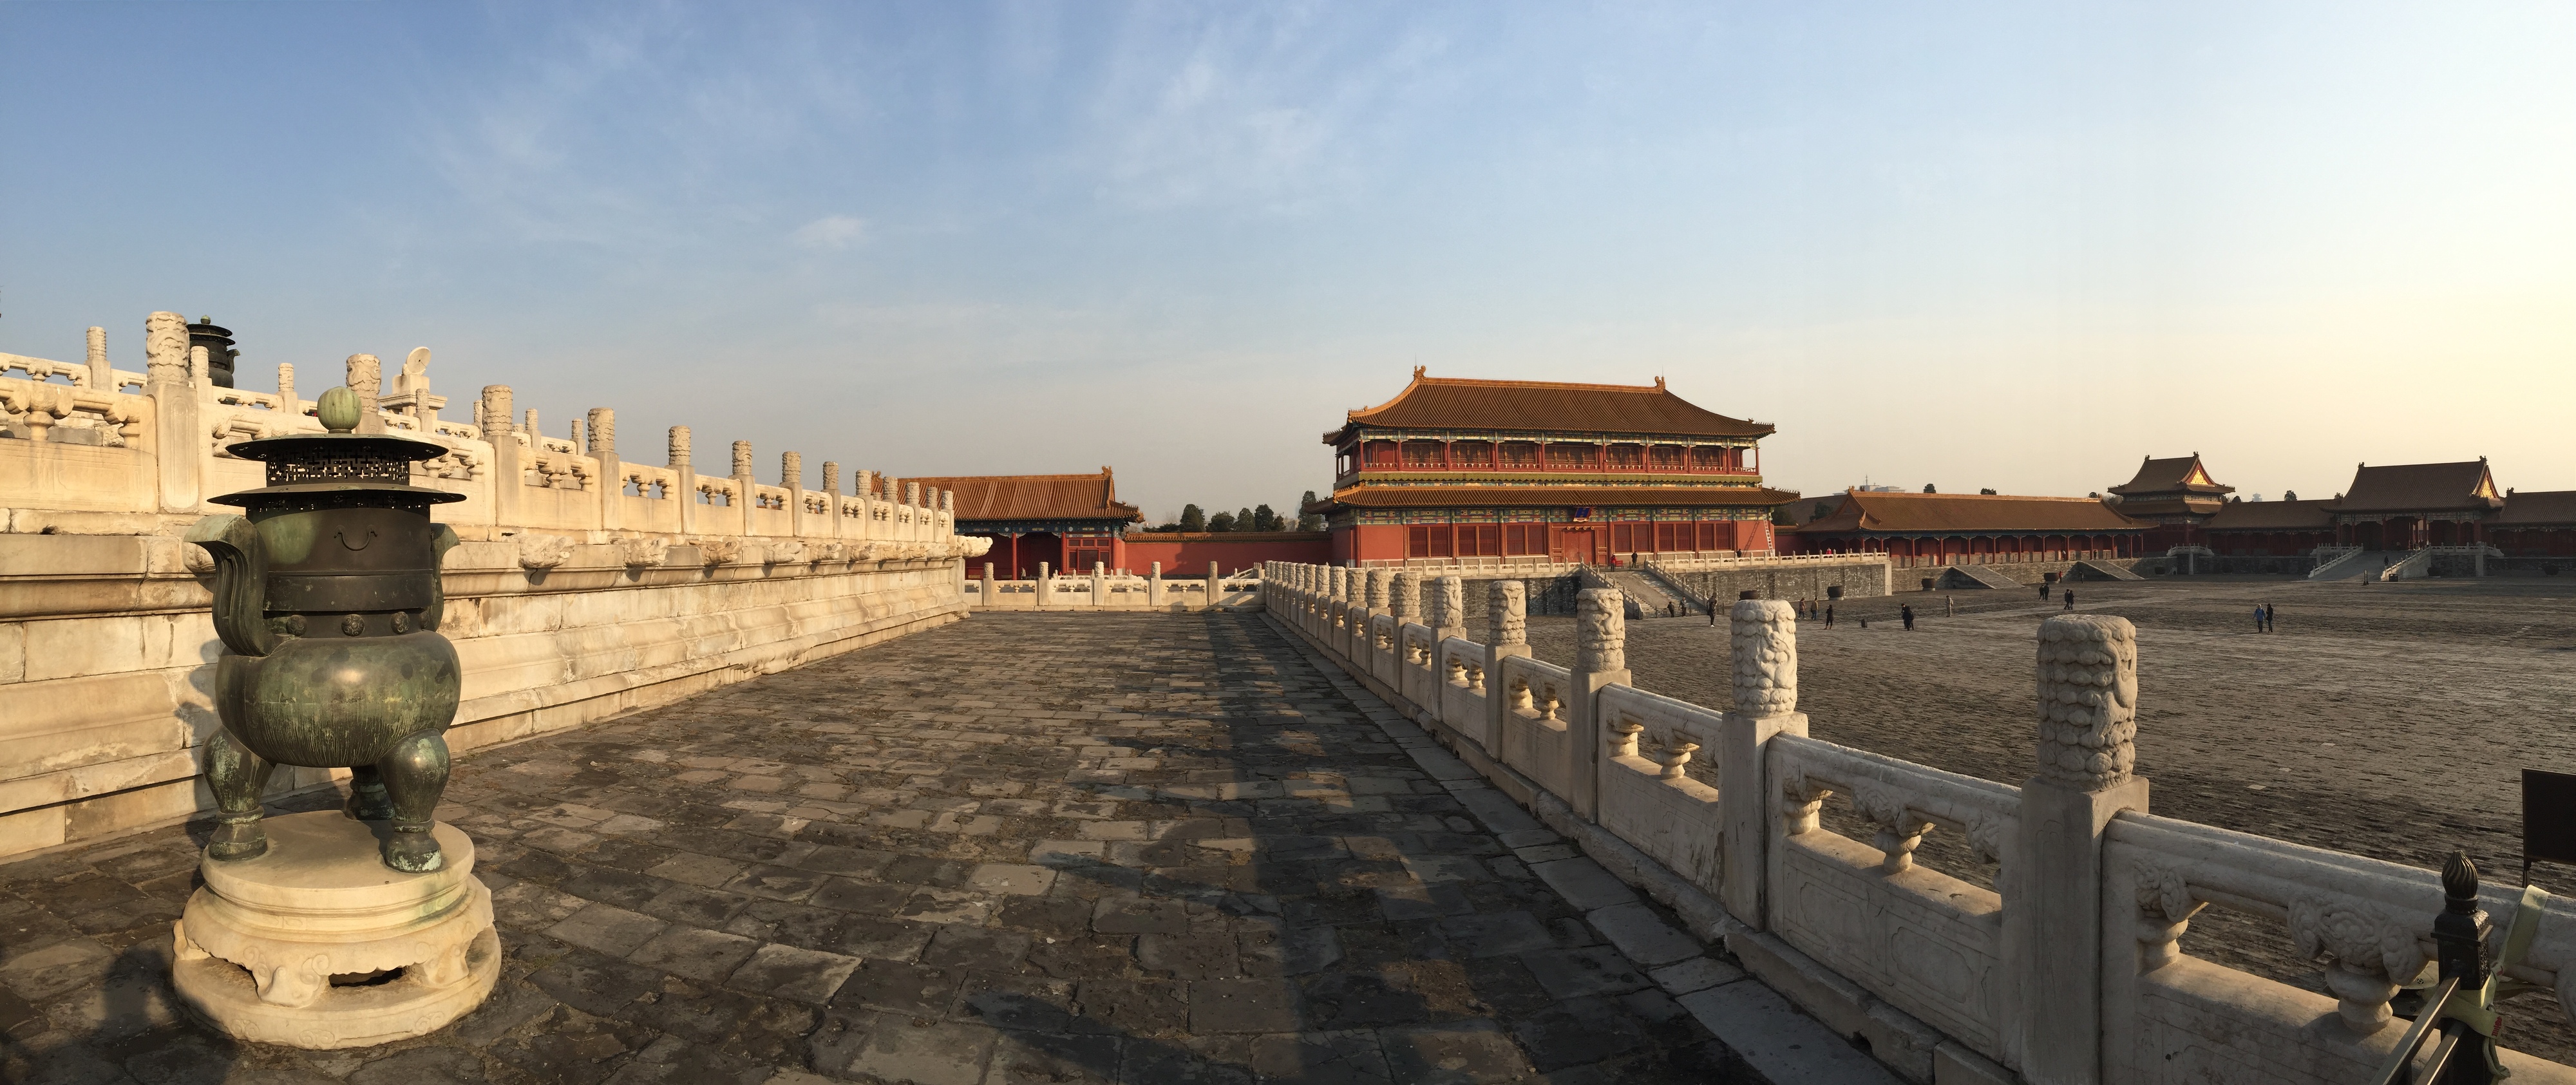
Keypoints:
pixel 1935 514
pixel 1024 498
pixel 2172 475
pixel 2422 487
pixel 1448 403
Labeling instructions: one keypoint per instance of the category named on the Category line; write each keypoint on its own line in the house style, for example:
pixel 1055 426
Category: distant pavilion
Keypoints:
pixel 2177 495
pixel 1065 521
pixel 1457 471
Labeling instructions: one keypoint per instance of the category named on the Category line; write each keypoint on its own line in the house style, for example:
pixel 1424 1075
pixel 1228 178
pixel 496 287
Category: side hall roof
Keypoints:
pixel 1036 497
pixel 2421 486
pixel 2538 507
pixel 1940 513
pixel 2174 474
pixel 2313 515
pixel 1456 404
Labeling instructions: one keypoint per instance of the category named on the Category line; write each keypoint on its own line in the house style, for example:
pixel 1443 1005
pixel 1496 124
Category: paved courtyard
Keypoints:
pixel 1023 848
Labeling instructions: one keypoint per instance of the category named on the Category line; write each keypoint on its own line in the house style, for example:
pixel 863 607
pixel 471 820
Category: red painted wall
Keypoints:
pixel 1188 553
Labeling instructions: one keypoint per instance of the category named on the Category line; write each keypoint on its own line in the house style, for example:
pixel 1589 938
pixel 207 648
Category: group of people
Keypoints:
pixel 2263 618
pixel 1810 609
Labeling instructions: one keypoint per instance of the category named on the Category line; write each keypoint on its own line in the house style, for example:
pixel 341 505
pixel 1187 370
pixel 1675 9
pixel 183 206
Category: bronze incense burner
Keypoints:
pixel 327 598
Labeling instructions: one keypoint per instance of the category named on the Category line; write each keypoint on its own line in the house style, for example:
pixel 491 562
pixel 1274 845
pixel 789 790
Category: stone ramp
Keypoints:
pixel 1978 576
pixel 2103 570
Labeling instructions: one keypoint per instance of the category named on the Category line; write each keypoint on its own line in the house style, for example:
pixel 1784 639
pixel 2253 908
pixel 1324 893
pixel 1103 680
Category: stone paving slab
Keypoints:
pixel 1022 848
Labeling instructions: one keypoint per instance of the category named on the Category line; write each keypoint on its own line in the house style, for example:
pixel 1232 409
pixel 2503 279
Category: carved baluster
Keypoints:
pixel 1677 757
pixel 1623 734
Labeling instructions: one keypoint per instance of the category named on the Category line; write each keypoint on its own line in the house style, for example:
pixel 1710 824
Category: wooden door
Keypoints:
pixel 1577 545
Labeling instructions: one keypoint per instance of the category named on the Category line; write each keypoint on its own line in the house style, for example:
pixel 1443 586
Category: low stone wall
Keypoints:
pixel 2224 564
pixel 107 655
pixel 1784 580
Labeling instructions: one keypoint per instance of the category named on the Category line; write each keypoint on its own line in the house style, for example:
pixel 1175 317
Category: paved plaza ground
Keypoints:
pixel 1023 848
pixel 2391 720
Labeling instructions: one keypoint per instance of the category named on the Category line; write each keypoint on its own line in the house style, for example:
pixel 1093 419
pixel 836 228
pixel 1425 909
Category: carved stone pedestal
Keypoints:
pixel 317 944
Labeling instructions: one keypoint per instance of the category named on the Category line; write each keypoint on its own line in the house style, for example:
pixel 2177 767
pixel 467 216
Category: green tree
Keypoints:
pixel 1927 488
pixel 1243 520
pixel 1309 521
pixel 1224 521
pixel 1264 518
pixel 1192 519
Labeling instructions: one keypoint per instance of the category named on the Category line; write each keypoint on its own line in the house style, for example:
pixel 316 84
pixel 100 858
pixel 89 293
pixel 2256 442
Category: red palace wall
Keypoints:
pixel 1188 554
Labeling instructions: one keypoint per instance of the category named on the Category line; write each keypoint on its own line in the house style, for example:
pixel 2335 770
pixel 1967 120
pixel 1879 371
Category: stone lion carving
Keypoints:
pixel 1507 612
pixel 543 551
pixel 2088 700
pixel 1600 630
pixel 1764 633
pixel 976 545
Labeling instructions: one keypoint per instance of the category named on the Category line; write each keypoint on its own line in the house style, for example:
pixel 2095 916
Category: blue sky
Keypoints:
pixel 2016 246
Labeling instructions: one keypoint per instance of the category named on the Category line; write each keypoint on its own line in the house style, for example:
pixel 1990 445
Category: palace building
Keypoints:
pixel 2176 496
pixel 1065 521
pixel 1455 470
pixel 1970 529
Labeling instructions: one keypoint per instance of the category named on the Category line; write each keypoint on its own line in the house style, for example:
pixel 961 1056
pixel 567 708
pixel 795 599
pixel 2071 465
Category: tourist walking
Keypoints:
pixel 2070 598
pixel 1906 611
pixel 1829 615
pixel 2258 617
pixel 2270 613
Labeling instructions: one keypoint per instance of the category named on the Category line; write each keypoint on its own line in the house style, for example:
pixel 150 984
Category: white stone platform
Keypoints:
pixel 263 941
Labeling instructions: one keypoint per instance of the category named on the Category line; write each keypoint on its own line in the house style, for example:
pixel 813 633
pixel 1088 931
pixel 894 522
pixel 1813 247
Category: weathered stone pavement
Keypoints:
pixel 1023 848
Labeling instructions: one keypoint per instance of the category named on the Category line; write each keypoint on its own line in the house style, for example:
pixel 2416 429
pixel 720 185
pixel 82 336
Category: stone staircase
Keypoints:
pixel 2103 570
pixel 2358 565
pixel 1646 596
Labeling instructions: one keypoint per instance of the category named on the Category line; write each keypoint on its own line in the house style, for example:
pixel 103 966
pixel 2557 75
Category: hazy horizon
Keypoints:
pixel 2005 246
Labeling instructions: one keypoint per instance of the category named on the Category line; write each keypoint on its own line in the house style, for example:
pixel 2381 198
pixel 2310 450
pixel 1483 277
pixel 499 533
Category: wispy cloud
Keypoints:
pixel 832 232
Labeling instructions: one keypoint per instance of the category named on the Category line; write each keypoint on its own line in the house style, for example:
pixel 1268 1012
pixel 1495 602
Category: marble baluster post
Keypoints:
pixel 612 474
pixel 791 474
pixel 684 478
pixel 744 495
pixel 495 411
pixel 1600 660
pixel 1763 639
pixel 176 434
pixel 1506 636
pixel 2088 725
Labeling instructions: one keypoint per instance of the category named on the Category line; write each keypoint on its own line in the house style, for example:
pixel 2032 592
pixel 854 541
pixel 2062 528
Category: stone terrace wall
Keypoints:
pixel 571 599
pixel 2070 968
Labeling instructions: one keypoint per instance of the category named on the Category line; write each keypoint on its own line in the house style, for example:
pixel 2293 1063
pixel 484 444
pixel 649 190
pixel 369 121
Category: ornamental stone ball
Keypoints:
pixel 327 600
